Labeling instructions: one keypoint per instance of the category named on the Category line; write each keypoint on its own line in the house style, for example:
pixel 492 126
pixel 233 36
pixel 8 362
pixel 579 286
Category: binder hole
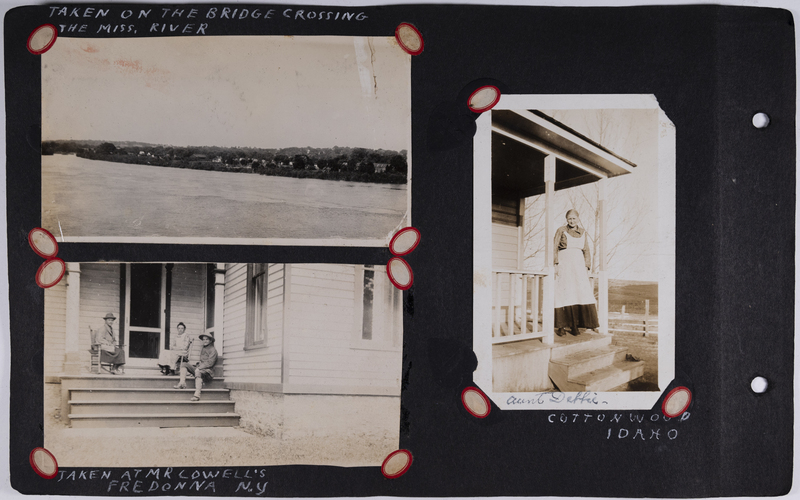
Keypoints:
pixel 759 385
pixel 760 120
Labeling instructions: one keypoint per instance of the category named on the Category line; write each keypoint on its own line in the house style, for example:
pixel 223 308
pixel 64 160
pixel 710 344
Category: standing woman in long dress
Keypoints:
pixel 574 301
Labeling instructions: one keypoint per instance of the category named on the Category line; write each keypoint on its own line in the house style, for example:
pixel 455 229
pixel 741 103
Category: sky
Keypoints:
pixel 248 91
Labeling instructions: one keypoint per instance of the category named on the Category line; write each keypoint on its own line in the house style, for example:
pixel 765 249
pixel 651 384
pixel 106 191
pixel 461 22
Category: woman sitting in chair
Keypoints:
pixel 110 352
pixel 170 360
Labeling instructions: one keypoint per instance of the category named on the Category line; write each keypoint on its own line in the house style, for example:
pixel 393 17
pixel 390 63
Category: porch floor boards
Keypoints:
pixel 511 347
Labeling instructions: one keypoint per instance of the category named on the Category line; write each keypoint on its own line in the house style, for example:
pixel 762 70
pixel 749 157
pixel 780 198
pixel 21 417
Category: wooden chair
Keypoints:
pixel 94 355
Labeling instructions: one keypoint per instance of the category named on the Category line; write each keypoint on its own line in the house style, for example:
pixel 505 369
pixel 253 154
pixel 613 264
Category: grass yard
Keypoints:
pixel 632 294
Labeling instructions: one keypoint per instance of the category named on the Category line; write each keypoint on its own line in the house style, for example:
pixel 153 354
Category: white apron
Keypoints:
pixel 572 278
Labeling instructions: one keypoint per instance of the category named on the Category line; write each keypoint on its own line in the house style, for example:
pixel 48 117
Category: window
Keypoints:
pixel 368 303
pixel 379 317
pixel 257 282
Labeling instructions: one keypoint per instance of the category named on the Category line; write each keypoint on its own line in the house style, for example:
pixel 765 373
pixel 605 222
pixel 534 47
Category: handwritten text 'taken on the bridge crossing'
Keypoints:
pixel 200 15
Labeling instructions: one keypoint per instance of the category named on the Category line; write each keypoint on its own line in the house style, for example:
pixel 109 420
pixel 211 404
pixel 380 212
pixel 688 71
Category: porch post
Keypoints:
pixel 73 364
pixel 548 285
pixel 521 235
pixel 219 303
pixel 602 287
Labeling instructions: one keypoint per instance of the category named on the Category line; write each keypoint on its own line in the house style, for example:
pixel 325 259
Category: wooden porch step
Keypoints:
pixel 151 407
pixel 586 360
pixel 609 377
pixel 155 420
pixel 569 344
pixel 83 394
pixel 132 381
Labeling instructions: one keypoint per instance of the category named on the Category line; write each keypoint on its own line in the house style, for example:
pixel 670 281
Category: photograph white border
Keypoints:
pixel 482 256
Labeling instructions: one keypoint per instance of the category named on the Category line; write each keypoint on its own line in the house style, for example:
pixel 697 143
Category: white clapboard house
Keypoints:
pixel 533 154
pixel 304 349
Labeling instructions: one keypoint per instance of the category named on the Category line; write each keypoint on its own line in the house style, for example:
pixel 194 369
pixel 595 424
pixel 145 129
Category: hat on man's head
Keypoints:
pixel 109 315
pixel 209 337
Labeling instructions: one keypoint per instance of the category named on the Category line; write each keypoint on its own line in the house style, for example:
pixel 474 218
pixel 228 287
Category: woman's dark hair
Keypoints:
pixel 570 211
pixel 181 323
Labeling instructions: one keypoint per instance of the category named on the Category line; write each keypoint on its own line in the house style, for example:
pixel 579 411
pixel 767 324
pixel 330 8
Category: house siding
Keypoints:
pixel 55 327
pixel 324 353
pixel 260 365
pixel 505 247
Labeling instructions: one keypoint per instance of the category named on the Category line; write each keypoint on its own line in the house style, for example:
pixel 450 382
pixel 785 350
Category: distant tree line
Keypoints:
pixel 336 163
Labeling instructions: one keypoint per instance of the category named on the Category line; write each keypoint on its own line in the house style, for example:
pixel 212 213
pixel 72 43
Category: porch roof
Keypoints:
pixel 521 139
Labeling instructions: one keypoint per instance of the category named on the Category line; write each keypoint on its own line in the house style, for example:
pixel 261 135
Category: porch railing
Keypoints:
pixel 517 305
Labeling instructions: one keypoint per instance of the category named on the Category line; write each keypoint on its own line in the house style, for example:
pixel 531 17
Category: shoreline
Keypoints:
pixel 266 170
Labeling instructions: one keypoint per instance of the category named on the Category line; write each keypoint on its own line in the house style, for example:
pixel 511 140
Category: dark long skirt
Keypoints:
pixel 577 316
pixel 117 357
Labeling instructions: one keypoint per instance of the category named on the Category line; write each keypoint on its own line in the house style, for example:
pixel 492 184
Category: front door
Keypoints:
pixel 145 307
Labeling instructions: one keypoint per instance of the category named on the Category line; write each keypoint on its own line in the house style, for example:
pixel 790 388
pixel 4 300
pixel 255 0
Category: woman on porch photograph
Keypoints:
pixel 170 360
pixel 574 298
pixel 110 352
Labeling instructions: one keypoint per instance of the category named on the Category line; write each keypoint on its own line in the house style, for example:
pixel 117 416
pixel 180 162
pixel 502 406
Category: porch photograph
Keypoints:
pixel 217 364
pixel 572 250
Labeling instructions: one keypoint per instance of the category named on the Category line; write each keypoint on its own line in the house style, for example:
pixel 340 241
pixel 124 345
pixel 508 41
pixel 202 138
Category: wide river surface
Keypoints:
pixel 90 198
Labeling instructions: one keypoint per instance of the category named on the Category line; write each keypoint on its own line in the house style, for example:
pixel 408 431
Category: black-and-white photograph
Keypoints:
pixel 575 257
pixel 252 140
pixel 212 364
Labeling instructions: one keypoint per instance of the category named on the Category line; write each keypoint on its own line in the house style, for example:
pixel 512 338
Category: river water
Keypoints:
pixel 91 198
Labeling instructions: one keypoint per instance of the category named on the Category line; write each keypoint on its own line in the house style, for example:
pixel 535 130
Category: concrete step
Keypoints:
pixel 83 394
pixel 609 377
pixel 150 407
pixel 569 344
pixel 587 360
pixel 155 420
pixel 130 381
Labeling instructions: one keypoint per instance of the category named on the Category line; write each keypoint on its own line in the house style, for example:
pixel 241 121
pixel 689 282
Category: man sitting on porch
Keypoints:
pixel 202 370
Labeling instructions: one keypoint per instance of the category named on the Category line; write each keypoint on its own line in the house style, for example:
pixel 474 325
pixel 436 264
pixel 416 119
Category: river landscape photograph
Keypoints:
pixel 253 140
